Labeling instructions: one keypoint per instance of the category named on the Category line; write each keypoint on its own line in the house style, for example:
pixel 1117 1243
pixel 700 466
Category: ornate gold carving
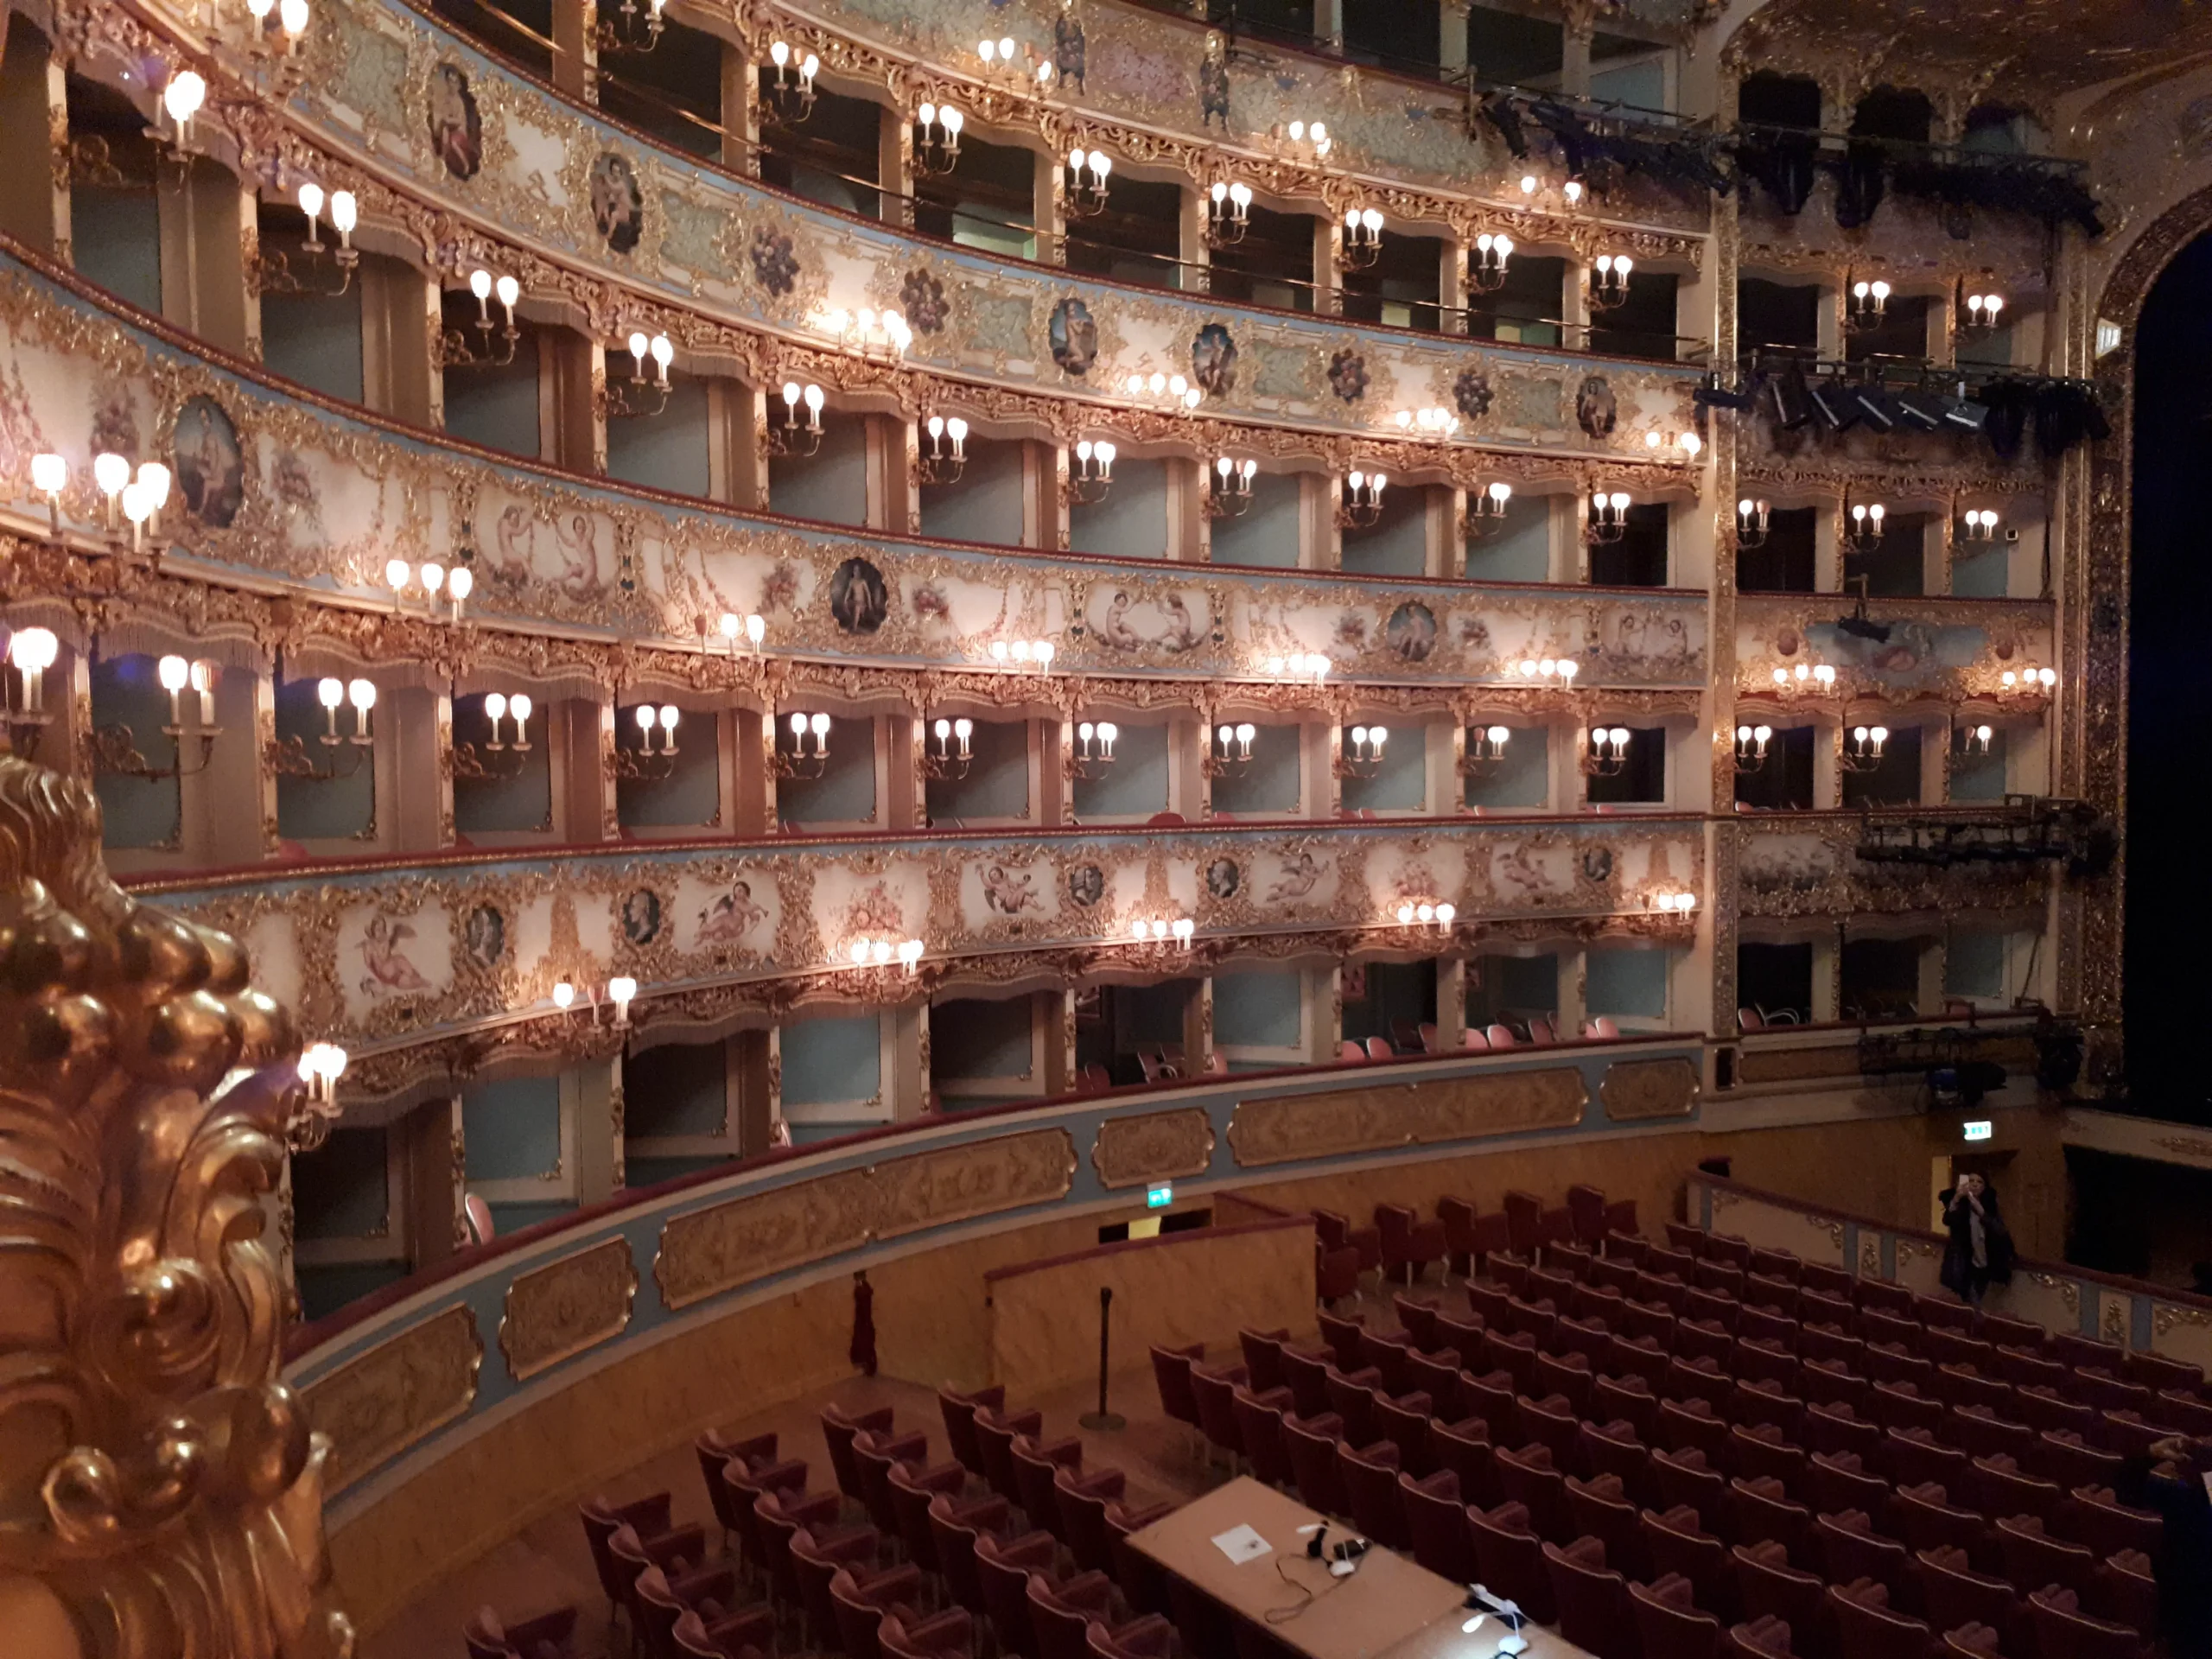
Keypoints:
pixel 1153 1147
pixel 2070 1291
pixel 2167 1316
pixel 2113 1325
pixel 1636 1089
pixel 717 1249
pixel 162 1482
pixel 1870 1255
pixel 380 1402
pixel 1288 1128
pixel 555 1311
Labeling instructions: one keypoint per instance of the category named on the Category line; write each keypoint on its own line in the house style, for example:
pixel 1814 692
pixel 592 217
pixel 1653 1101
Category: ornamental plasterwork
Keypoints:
pixel 1811 869
pixel 322 500
pixel 1942 649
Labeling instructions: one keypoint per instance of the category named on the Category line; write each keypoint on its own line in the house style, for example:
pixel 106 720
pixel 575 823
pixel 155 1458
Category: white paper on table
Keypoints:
pixel 1242 1544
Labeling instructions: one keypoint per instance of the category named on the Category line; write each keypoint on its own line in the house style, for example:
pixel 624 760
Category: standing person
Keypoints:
pixel 1981 1251
pixel 2174 1481
pixel 862 1352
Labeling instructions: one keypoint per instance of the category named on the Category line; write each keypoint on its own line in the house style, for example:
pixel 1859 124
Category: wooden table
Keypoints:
pixel 1388 1600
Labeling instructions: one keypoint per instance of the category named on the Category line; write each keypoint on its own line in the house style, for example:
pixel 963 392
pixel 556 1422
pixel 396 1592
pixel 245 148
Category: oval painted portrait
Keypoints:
pixel 858 600
pixel 457 124
pixel 210 463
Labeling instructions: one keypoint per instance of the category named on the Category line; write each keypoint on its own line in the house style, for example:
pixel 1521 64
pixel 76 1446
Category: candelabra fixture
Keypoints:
pixel 1092 475
pixel 1228 213
pixel 141 501
pixel 869 332
pixel 791 92
pixel 498 759
pixel 630 27
pixel 646 764
pixel 620 992
pixel 1486 508
pixel 454 351
pixel 31 651
pixel 1088 171
pixel 1363 503
pixel 1607 753
pixel 1094 746
pixel 1608 516
pixel 273 272
pixel 1362 244
pixel 1609 281
pixel 115 748
pixel 1300 665
pixel 1152 930
pixel 1486 751
pixel 280 61
pixel 1974 740
pixel 1980 524
pixel 1818 678
pixel 1014 67
pixel 1171 392
pixel 796 762
pixel 952 757
pixel 937 139
pixel 1752 519
pixel 1023 653
pixel 638 398
pixel 433 580
pixel 753 627
pixel 1426 913
pixel 1230 494
pixel 1671 903
pixel 287 757
pixel 880 953
pixel 1862 749
pixel 946 458
pixel 1486 264
pixel 790 433
pixel 1750 747
pixel 1430 423
pixel 1868 304
pixel 1982 311
pixel 1310 139
pixel 2029 679
pixel 1363 758
pixel 321 1065
pixel 1552 671
pixel 1233 748
pixel 181 100
pixel 1865 534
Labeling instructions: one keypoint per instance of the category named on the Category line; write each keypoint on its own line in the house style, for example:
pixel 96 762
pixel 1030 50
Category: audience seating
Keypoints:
pixel 548 1636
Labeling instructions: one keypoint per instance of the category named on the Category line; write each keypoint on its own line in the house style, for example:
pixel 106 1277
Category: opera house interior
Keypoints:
pixel 814 845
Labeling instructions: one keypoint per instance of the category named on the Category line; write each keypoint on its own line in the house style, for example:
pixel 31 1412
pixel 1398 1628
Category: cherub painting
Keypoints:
pixel 731 916
pixel 1298 879
pixel 579 539
pixel 1008 891
pixel 1182 630
pixel 383 953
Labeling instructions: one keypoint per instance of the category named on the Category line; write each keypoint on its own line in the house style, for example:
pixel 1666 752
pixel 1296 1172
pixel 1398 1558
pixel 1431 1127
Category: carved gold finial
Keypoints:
pixel 157 1481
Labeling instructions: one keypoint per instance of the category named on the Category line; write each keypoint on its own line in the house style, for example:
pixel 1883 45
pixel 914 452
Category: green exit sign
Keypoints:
pixel 1160 1197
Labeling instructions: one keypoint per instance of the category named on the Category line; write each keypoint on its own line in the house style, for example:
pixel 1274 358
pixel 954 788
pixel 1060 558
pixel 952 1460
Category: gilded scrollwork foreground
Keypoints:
pixel 161 1481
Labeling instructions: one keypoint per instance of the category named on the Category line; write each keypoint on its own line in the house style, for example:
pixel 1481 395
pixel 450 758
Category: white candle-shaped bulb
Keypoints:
pixel 519 706
pixel 293 15
pixel 756 628
pixel 330 693
pixel 434 577
pixel 49 474
pixel 203 686
pixel 345 214
pixel 174 671
pixel 509 290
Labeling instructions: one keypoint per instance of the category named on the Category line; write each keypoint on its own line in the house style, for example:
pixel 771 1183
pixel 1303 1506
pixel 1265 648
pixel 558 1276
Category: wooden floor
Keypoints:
pixel 547 1564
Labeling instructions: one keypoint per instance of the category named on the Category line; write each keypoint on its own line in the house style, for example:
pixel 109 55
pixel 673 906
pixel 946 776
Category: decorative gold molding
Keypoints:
pixel 403 1390
pixel 2165 1317
pixel 2070 1290
pixel 1153 1147
pixel 1289 1128
pixel 555 1311
pixel 1635 1090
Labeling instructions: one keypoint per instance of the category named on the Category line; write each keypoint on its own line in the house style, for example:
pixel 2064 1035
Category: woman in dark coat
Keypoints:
pixel 1981 1251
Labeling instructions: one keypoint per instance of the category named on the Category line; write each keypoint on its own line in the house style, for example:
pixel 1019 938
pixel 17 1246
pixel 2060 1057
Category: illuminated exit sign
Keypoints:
pixel 1978 1129
pixel 1160 1197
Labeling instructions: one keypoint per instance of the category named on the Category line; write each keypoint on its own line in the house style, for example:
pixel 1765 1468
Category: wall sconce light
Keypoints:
pixel 1235 747
pixel 621 991
pixel 434 579
pixel 1608 752
pixel 321 1065
pixel 1982 311
pixel 1862 750
pixel 1486 751
pixel 1171 392
pixel 1750 747
pixel 1869 303
pixel 111 472
pixel 789 435
pixel 498 759
pixel 49 477
pixel 2029 679
pixel 1024 653
pixel 181 100
pixel 115 748
pixel 1308 138
pixel 1363 503
pixel 1817 678
pixel 869 332
pixel 1976 739
pixel 1300 665
pixel 1229 215
pixel 141 501
pixel 881 953
pixel 1150 930
pixel 1228 495
pixel 1007 63
pixel 1486 507
pixel 1094 746
pixel 939 464
pixel 273 272
pixel 289 757
pixel 1088 171
pixel 946 762
pixel 1980 524
pixel 454 350
pixel 1609 281
pixel 31 651
pixel 1751 522
pixel 936 142
pixel 1677 904
pixel 796 762
pixel 1364 756
pixel 1552 671
pixel 1865 534
pixel 640 397
pixel 646 764
pixel 1362 245
pixel 753 628
pixel 791 93
pixel 1426 913
pixel 1486 264
pixel 632 29
pixel 1092 475
pixel 1608 516
pixel 292 19
pixel 1428 423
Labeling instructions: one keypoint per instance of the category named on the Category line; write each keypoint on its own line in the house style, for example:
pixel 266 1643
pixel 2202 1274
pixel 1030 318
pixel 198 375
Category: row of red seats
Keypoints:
pixel 1399 1244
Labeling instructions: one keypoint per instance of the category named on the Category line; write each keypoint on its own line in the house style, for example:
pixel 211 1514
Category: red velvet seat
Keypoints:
pixel 1171 1374
pixel 1668 1622
pixel 1062 1613
pixel 1762 1450
pixel 959 1410
pixel 1512 1352
pixel 1592 1600
pixel 955 1525
pixel 1676 1543
pixel 948 1634
pixel 2127 1593
pixel 861 1606
pixel 1568 1375
pixel 1847 1548
pixel 1602 1508
pixel 1215 1388
pixel 1004 1566
pixel 1766 1582
pixel 676 1556
pixel 996 1432
pixel 1693 1424
pixel 1837 1427
pixel 1763 1637
pixel 694 1638
pixel 1341 1337
pixel 1627 1399
pixel 1437 1376
pixel 817 1558
pixel 1981 1434
pixel 1435 1519
pixel 1143 1581
pixel 1312 1443
pixel 1924 1518
pixel 1700 1378
pixel 2101 1523
pixel 1336 1274
pixel 1867 1627
pixel 1403 1421
pixel 1036 1466
pixel 1083 1498
pixel 1913 1456
pixel 1762 1404
pixel 647 1517
pixel 1551 1422
pixel 1643 1356
pixel 716 1452
pixel 1835 1482
pixel 1307 1376
pixel 1509 1558
pixel 1953 1594
pixel 1764 1512
pixel 1903 1406
pixel 1409 1242
pixel 2033 1558
pixel 1336 1232
pixel 1685 1480
pixel 1389 1354
pixel 1351 1397
pixel 548 1636
pixel 1259 1433
pixel 2060 1455
pixel 1613 1448
pixel 838 1428
pixel 2064 1632
pixel 1996 1487
pixel 741 1485
pixel 1529 1477
pixel 1464 1447
pixel 913 1488
pixel 1494 1397
pixel 782 1516
pixel 1263 1351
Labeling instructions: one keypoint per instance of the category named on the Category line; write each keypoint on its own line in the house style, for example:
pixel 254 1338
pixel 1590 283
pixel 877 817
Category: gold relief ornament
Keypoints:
pixel 1153 1147
pixel 165 1487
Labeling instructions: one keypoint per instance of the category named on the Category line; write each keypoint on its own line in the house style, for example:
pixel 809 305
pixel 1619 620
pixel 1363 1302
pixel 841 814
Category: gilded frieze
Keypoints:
pixel 1290 1128
pixel 1637 1090
pixel 1151 1146
pixel 1812 868
pixel 397 1393
pixel 556 1312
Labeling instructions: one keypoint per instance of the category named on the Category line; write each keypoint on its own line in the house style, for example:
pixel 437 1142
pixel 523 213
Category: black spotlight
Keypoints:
pixel 1711 394
pixel 1833 403
pixel 1960 415
pixel 1792 409
pixel 1923 411
pixel 1875 407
